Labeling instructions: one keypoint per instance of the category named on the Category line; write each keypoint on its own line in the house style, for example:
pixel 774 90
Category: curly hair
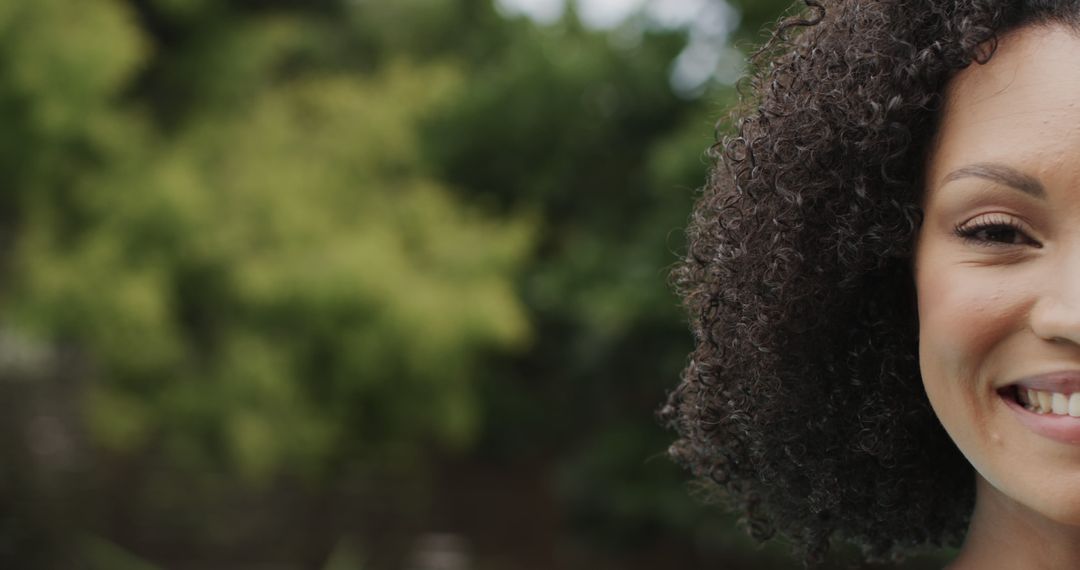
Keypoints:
pixel 802 402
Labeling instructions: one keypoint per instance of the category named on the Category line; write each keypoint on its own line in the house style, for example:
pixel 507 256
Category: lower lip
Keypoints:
pixel 1065 429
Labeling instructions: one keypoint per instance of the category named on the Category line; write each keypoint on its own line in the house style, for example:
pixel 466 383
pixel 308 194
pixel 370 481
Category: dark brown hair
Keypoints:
pixel 802 402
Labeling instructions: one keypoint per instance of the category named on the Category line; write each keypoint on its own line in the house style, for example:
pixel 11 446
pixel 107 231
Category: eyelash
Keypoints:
pixel 994 222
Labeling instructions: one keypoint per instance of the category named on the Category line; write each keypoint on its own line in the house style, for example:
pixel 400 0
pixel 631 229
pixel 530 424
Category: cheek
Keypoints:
pixel 953 316
pixel 969 315
pixel 963 314
pixel 962 320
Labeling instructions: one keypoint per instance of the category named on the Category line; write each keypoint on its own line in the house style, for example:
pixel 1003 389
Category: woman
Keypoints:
pixel 901 202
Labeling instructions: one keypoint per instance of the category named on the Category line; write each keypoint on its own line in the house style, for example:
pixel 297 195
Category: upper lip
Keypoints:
pixel 1066 382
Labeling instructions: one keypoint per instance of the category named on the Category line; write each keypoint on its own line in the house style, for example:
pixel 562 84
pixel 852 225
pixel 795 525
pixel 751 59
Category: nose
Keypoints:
pixel 1056 321
pixel 1056 314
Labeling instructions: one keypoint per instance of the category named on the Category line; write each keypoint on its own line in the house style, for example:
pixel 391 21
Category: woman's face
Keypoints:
pixel 997 271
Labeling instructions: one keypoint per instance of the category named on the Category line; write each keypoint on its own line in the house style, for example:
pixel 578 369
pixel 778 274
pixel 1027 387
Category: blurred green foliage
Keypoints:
pixel 331 264
pixel 269 286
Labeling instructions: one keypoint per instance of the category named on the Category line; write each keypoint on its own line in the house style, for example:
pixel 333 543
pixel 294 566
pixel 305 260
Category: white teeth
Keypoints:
pixel 1060 404
pixel 1050 402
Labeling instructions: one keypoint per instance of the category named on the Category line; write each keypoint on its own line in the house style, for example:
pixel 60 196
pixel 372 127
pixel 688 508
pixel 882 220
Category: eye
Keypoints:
pixel 996 230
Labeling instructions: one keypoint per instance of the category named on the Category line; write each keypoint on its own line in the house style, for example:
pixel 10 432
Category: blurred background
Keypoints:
pixel 354 284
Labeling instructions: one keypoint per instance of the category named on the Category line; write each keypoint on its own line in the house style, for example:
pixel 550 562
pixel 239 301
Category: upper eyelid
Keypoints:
pixel 1000 218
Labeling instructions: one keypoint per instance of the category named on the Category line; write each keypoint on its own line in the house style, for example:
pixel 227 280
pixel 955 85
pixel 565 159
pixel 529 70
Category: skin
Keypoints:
pixel 1003 303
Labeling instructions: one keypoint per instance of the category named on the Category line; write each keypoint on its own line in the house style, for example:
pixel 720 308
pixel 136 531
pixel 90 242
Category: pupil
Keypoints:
pixel 1001 234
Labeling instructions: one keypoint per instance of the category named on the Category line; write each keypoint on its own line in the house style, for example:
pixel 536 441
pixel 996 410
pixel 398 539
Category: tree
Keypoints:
pixel 271 282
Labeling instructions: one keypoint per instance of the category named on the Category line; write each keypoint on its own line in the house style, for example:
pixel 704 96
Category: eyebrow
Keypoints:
pixel 1001 174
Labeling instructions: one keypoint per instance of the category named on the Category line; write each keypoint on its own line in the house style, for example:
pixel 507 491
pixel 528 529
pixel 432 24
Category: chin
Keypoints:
pixel 1044 490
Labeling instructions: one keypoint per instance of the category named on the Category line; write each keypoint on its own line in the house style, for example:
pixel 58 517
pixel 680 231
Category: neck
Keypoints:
pixel 1005 534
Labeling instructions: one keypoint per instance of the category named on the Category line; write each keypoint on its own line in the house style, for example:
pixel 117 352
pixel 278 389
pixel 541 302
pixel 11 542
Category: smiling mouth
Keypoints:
pixel 1046 411
pixel 1045 402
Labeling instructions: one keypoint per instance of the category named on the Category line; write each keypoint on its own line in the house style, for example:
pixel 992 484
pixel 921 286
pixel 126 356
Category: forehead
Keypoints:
pixel 1022 108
